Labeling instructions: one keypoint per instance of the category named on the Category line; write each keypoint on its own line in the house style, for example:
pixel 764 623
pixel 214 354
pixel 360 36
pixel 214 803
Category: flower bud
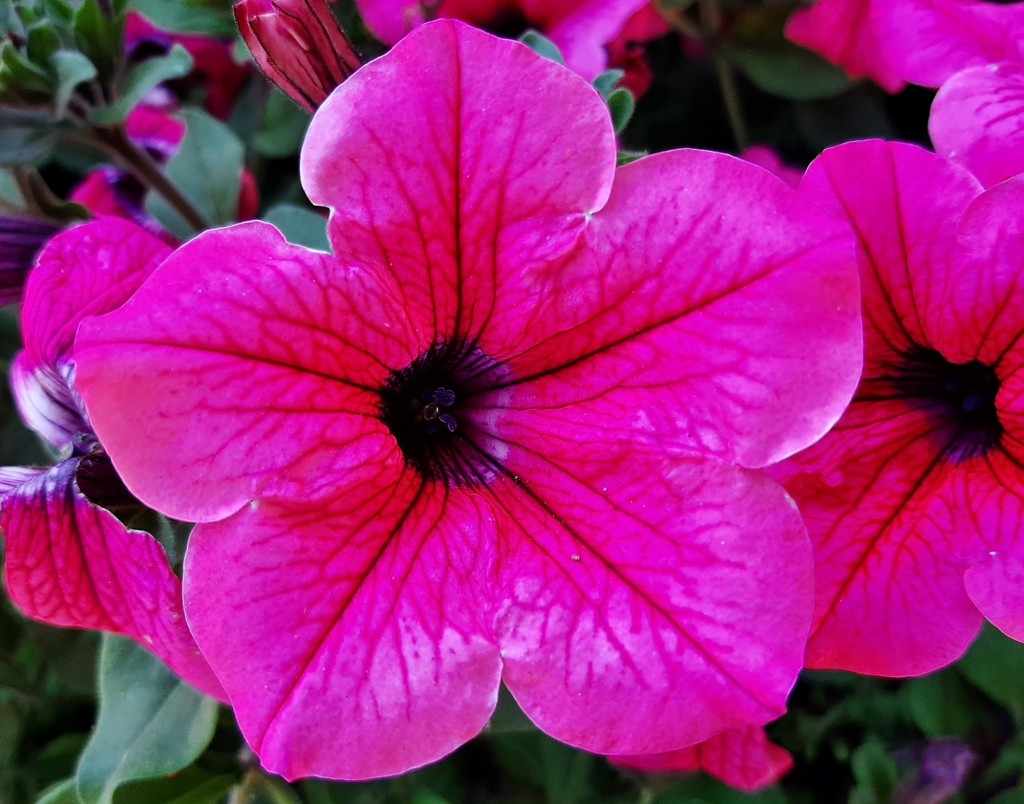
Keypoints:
pixel 20 241
pixel 298 45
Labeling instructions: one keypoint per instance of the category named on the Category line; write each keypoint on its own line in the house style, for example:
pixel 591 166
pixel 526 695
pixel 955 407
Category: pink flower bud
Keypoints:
pixel 298 45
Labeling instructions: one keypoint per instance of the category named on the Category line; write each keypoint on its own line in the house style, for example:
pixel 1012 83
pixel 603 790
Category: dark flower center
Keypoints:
pixel 961 395
pixel 429 408
pixel 510 24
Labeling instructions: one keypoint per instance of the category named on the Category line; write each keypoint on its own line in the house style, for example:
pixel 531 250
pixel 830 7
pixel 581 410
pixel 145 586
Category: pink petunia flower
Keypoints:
pixel 845 33
pixel 580 28
pixel 743 758
pixel 914 501
pixel 69 560
pixel 503 434
pixel 763 156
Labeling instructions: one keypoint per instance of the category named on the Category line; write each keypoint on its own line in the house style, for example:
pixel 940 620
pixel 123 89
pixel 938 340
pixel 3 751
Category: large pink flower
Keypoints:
pixel 69 560
pixel 500 435
pixel 580 28
pixel 914 501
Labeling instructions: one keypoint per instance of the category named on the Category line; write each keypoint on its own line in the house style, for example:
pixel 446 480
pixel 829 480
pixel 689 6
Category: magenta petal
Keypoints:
pixel 583 29
pixel 71 563
pixel 926 41
pixel 427 172
pixel 841 31
pixel 627 594
pixel 743 758
pixel 352 639
pixel 713 309
pixel 89 270
pixel 977 119
pixel 282 349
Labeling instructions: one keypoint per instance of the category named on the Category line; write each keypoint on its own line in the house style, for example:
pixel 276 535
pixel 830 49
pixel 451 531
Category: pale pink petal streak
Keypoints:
pixel 470 231
pixel 627 592
pixel 247 362
pixel 673 328
pixel 71 563
pixel 388 662
pixel 977 119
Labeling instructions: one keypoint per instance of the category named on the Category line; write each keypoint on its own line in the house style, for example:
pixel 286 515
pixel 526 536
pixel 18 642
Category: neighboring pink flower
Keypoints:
pixel 580 28
pixel 500 435
pixel 915 500
pixel 69 561
pixel 627 51
pixel 215 71
pixel 763 156
pixel 927 41
pixel 977 120
pixel 844 32
pixel 298 45
pixel 743 758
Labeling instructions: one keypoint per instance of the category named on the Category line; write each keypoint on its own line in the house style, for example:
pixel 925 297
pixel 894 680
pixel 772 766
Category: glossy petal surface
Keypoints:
pixel 72 563
pixel 500 198
pixel 977 120
pixel 673 333
pixel 897 513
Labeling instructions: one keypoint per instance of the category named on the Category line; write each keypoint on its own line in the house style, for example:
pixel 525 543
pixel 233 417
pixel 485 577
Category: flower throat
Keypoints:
pixel 429 408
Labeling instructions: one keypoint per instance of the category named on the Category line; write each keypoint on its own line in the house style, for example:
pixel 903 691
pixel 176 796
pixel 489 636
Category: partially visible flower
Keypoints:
pixel 214 72
pixel 20 241
pixel 844 32
pixel 915 501
pixel 111 191
pixel 743 758
pixel 69 560
pixel 627 51
pixel 763 156
pixel 580 28
pixel 977 120
pixel 508 431
pixel 298 45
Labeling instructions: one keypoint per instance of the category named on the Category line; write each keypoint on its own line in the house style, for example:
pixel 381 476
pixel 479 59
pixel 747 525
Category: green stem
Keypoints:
pixel 711 27
pixel 140 164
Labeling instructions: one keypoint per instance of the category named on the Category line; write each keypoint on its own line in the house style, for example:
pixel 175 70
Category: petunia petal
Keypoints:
pixel 429 174
pixel 743 758
pixel 46 402
pixel 926 41
pixel 626 592
pixel 711 310
pixel 283 350
pixel 581 30
pixel 71 563
pixel 903 204
pixel 977 119
pixel 352 639
pixel 89 270
pixel 841 32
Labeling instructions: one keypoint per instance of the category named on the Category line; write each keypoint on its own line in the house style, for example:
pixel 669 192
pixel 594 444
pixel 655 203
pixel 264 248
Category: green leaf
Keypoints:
pixel 60 793
pixel 192 786
pixel 98 36
pixel 18 73
pixel 151 723
pixel 208 170
pixel 283 127
pixel 543 46
pixel 176 63
pixel 258 788
pixel 189 16
pixel 72 68
pixel 303 227
pixel 621 105
pixel 874 771
pixel 944 705
pixel 995 665
pixel 26 138
pixel 607 81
